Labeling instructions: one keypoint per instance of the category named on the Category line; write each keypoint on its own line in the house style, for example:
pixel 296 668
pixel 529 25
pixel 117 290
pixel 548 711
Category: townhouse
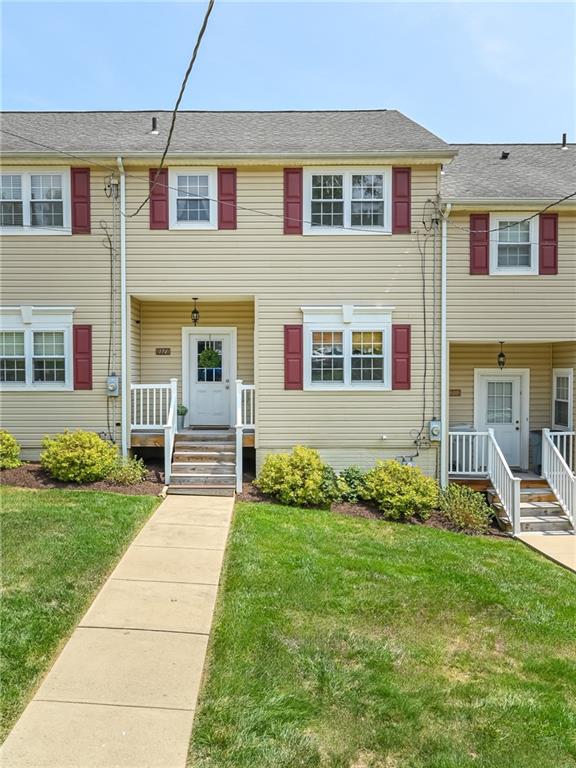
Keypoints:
pixel 337 279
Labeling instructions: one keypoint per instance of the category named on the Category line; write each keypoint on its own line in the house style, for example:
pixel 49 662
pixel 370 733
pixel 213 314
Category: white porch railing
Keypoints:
pixel 505 484
pixel 245 419
pixel 153 406
pixel 468 453
pixel 559 475
pixel 564 441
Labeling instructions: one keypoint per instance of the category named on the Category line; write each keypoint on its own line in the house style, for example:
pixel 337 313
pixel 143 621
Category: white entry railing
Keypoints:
pixel 564 441
pixel 153 406
pixel 559 475
pixel 468 453
pixel 505 484
pixel 245 419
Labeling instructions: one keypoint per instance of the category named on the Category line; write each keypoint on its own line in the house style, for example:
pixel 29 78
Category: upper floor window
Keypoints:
pixel 193 196
pixel 513 245
pixel 338 201
pixel 36 351
pixel 35 202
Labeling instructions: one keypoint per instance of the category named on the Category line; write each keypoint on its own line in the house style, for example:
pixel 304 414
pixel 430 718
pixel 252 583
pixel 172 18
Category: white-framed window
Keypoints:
pixel 193 196
pixel 513 245
pixel 35 202
pixel 562 394
pixel 36 348
pixel 339 201
pixel 347 348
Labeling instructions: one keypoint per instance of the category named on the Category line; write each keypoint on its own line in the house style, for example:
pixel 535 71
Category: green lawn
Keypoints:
pixel 57 549
pixel 343 642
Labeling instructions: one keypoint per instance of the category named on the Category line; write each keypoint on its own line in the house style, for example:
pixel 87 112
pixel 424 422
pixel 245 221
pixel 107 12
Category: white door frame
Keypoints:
pixel 187 333
pixel 524 374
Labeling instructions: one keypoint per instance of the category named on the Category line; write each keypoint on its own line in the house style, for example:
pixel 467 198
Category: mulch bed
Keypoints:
pixel 31 475
pixel 361 509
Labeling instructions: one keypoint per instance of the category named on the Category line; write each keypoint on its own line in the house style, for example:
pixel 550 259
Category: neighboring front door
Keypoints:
pixel 209 395
pixel 500 410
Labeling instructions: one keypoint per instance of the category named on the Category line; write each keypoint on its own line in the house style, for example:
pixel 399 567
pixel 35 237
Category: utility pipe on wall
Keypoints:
pixel 123 314
pixel 444 373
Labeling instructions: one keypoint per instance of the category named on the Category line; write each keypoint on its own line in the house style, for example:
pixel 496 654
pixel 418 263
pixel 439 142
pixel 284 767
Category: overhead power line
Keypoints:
pixel 178 100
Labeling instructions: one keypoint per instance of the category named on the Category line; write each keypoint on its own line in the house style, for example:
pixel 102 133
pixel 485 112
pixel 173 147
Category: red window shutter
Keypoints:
pixel 82 343
pixel 158 198
pixel 80 196
pixel 226 198
pixel 401 364
pixel 292 201
pixel 293 357
pixel 401 200
pixel 479 243
pixel 548 244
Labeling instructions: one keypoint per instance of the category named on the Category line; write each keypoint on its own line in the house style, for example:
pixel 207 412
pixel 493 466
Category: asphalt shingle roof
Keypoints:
pixel 197 133
pixel 531 172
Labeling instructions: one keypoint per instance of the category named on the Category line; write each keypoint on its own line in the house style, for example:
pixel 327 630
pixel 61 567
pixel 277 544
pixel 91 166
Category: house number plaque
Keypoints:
pixel 163 351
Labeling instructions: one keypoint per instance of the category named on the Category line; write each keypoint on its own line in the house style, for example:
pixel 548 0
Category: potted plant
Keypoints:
pixel 181 412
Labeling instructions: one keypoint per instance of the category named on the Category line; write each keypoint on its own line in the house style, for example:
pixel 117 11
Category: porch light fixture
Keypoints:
pixel 501 356
pixel 195 312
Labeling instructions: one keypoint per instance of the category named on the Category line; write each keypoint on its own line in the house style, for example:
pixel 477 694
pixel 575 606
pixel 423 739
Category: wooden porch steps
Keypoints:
pixel 204 463
pixel 540 510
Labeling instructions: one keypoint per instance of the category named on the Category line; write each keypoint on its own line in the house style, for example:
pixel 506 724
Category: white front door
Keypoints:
pixel 210 385
pixel 500 410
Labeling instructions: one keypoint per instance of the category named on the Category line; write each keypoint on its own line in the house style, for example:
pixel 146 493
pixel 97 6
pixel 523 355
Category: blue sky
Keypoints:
pixel 467 71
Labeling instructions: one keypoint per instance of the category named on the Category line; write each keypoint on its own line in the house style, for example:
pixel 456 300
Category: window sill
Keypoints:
pixel 36 231
pixel 36 387
pixel 347 388
pixel 338 232
pixel 514 273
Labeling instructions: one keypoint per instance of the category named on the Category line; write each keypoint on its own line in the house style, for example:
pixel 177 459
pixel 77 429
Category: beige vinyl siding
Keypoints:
pixel 513 308
pixel 464 358
pixel 67 270
pixel 564 356
pixel 135 340
pixel 284 273
pixel 161 326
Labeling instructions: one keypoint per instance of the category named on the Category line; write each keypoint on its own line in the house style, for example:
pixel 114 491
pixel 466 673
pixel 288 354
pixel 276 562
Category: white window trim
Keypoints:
pixel 569 372
pixel 308 229
pixel 212 174
pixel 27 228
pixel 30 320
pixel 495 220
pixel 348 318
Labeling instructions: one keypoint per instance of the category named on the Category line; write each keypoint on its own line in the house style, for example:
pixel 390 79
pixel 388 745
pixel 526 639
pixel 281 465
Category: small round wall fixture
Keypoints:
pixel 501 356
pixel 195 312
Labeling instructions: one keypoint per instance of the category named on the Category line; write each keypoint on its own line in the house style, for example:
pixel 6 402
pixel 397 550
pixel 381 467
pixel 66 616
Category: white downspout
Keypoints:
pixel 444 373
pixel 123 314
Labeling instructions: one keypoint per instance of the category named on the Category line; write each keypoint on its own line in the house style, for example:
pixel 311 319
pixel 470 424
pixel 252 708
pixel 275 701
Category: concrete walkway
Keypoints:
pixel 122 693
pixel 560 547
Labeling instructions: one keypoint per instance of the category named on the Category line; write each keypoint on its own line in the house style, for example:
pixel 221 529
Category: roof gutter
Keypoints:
pixel 125 421
pixel 444 372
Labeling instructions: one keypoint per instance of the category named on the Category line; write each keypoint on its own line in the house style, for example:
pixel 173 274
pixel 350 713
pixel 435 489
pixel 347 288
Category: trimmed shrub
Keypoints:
pixel 400 491
pixel 9 451
pixel 351 484
pixel 465 508
pixel 128 471
pixel 78 457
pixel 299 478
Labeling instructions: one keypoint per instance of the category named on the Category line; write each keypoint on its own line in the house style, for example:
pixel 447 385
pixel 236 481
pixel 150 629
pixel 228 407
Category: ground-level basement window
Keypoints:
pixel 562 387
pixel 36 351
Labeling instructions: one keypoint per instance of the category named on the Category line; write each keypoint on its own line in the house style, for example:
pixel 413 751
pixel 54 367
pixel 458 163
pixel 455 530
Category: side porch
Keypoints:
pixel 192 389
pixel 511 430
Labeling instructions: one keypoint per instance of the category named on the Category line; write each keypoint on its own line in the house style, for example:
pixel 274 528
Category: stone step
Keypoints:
pixel 544 523
pixel 205 490
pixel 195 478
pixel 203 467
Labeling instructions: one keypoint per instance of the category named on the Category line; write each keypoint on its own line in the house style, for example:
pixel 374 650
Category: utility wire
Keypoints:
pixel 175 110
